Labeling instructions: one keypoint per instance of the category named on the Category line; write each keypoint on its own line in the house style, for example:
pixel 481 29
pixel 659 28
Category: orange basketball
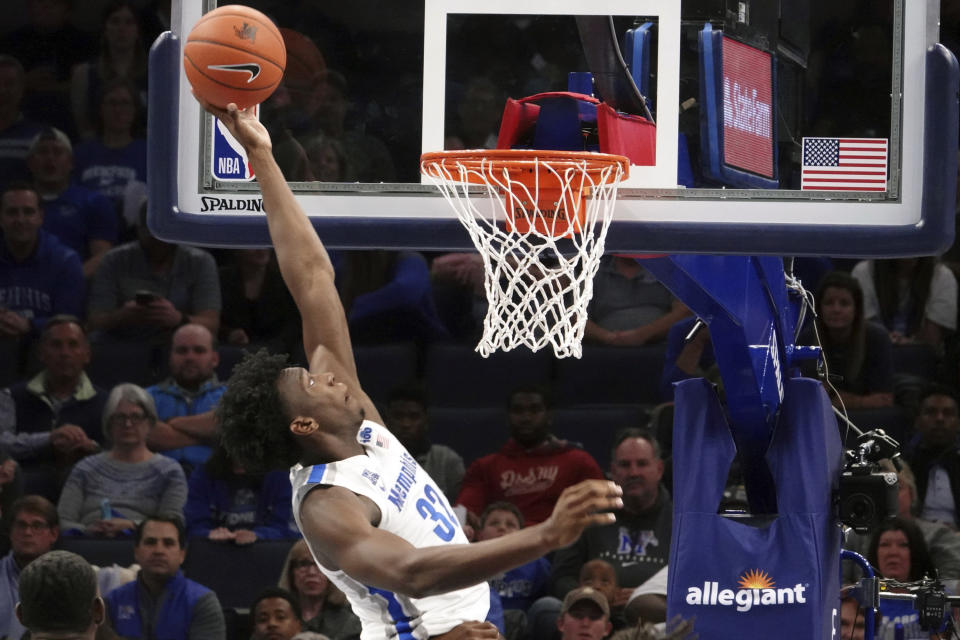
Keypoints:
pixel 234 54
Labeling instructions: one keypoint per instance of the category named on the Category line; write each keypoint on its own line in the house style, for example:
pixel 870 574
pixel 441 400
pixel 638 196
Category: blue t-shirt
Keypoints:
pixel 79 215
pixel 108 171
pixel 519 587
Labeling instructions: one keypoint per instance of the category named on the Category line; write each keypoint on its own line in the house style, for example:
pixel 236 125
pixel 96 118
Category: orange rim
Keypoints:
pixel 522 160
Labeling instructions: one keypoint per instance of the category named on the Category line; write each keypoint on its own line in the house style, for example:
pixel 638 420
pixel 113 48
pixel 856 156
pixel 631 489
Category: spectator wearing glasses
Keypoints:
pixel 324 608
pixel 33 533
pixel 109 494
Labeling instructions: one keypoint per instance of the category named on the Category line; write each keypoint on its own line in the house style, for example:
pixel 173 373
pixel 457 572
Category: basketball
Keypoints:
pixel 234 54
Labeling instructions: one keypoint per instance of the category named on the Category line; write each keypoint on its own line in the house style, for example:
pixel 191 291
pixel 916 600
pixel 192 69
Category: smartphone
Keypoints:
pixel 144 298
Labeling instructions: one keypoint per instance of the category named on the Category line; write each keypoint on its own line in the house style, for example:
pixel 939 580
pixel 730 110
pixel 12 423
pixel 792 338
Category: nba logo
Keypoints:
pixel 229 162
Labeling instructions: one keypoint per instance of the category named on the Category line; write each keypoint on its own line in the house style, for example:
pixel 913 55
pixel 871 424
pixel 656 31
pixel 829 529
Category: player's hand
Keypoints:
pixel 580 506
pixel 241 124
pixel 471 630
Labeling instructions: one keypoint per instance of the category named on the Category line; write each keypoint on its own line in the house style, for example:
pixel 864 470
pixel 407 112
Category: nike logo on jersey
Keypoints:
pixel 250 67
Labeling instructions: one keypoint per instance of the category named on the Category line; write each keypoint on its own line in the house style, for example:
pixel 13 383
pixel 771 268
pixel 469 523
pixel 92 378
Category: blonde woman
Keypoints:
pixel 324 607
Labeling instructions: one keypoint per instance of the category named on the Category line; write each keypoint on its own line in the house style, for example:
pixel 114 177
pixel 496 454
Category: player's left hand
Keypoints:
pixel 241 123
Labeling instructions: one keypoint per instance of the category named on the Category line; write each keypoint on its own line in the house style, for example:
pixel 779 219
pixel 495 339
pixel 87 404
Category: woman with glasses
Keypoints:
pixel 324 607
pixel 108 494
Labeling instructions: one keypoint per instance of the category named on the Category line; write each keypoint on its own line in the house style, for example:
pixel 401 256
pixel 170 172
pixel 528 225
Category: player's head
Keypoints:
pixel 271 413
pixel 58 597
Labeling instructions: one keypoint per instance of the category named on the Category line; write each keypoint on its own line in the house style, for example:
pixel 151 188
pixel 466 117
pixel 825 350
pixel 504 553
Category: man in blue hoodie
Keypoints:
pixel 39 276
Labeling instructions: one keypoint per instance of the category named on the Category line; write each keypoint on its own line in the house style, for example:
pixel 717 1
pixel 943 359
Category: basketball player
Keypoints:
pixel 375 522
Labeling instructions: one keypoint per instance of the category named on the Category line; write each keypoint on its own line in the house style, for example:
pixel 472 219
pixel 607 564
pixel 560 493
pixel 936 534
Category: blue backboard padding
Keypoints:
pixel 933 234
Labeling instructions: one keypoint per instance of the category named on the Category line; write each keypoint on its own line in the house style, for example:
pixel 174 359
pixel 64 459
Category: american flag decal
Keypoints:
pixel 844 164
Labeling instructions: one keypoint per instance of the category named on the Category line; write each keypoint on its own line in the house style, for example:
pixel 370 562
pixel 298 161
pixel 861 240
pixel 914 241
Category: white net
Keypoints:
pixel 538 276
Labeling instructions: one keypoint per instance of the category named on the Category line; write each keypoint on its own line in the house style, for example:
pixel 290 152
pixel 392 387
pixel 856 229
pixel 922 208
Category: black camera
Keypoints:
pixel 867 498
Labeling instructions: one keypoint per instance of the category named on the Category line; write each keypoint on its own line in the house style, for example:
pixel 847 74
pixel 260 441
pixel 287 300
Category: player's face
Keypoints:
pixel 528 418
pixel 319 396
pixel 601 576
pixel 637 470
pixel 498 523
pixel 584 621
pixel 893 555
pixel 20 217
pixel 407 420
pixel 937 421
pixel 159 553
pixel 837 308
pixel 851 621
pixel 274 619
pixel 192 356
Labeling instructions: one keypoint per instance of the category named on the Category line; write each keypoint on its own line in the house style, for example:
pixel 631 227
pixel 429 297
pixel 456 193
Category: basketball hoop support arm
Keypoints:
pixel 752 320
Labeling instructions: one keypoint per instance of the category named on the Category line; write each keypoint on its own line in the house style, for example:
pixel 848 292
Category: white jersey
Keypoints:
pixel 412 508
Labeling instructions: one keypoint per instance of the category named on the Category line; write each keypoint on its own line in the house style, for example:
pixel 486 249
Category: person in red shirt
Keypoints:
pixel 533 467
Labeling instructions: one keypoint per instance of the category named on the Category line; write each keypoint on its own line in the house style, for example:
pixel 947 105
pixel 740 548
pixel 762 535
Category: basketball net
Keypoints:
pixel 539 220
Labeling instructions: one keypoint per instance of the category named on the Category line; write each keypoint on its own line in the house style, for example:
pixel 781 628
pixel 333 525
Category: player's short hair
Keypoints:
pixel 502 505
pixel 277 592
pixel 254 424
pixel 173 519
pixel 57 591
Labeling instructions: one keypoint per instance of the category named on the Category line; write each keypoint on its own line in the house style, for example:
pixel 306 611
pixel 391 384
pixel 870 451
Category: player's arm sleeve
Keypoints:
pixel 473 490
pixel 565 574
pixel 207 622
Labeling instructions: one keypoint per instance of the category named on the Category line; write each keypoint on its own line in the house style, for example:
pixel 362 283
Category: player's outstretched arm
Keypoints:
pixel 303 261
pixel 337 526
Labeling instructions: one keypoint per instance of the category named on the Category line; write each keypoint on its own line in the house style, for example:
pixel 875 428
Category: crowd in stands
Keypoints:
pixel 115 348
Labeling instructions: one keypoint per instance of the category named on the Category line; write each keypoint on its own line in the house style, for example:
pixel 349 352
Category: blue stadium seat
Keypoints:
pixel 458 376
pixel 236 574
pixel 99 551
pixel 381 367
pixel 470 432
pixel 595 427
pixel 610 375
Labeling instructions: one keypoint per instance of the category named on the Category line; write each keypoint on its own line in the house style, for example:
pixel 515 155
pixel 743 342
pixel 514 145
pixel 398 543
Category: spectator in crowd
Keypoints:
pixel 852 620
pixel 258 310
pixel 81 218
pixel 108 494
pixel 934 455
pixel 914 298
pixel 898 552
pixel 16 130
pixel 600 575
pixel 630 307
pixel 324 608
pixel 685 359
pixel 387 296
pixel 648 602
pixel 225 503
pixel 185 401
pixel 533 467
pixel 638 543
pixel 51 420
pixel 276 616
pixel 59 598
pixel 117 156
pixel 34 532
pixel 39 275
pixel 406 417
pixel 145 289
pixel 942 541
pixel 328 159
pixel 161 602
pixel 122 57
pixel 48 46
pixel 459 290
pixel 857 351
pixel 585 615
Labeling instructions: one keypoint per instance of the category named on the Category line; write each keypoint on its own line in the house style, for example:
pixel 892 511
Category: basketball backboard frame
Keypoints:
pixel 650 216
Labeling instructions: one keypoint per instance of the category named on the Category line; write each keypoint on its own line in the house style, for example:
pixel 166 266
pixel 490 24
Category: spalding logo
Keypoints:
pixel 246 32
pixel 365 434
pixel 756 589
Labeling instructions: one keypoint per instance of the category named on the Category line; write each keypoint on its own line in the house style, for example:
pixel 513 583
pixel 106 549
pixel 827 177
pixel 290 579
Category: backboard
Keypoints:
pixel 757 103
